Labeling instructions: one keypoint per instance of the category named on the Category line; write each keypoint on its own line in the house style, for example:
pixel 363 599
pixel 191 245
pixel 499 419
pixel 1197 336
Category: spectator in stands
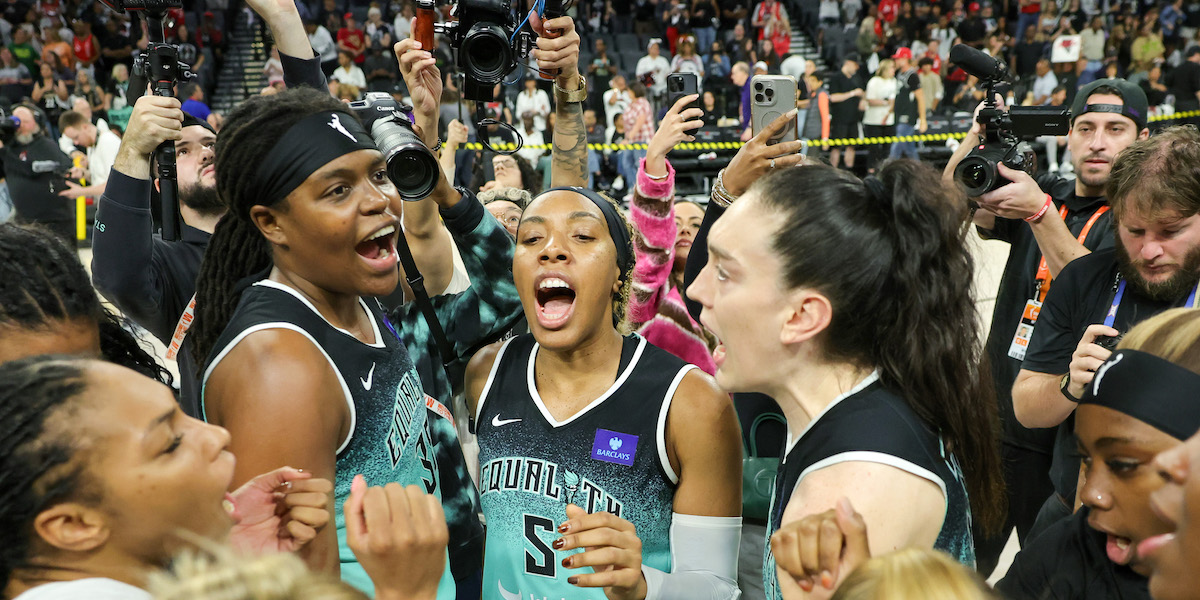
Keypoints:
pixel 86 89
pixel 600 70
pixel 1156 90
pixel 652 71
pixel 1054 142
pixel 54 49
pixel 535 103
pixel 16 81
pixel 101 146
pixel 686 60
pixel 1147 49
pixel 1030 13
pixel 704 22
pixel 116 104
pixel 617 99
pixel 1184 83
pixel 23 50
pixel 779 32
pixel 845 90
pixel 379 33
pixel 322 43
pixel 931 85
pixel 532 137
pixel 1043 83
pixel 1091 42
pixel 933 51
pixel 879 119
pixel 347 72
pixel 193 103
pixel 639 125
pixel 86 48
pixel 352 39
pixel 764 12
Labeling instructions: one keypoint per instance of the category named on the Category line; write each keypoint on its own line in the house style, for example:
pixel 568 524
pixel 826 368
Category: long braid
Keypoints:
pixel 36 469
pixel 237 249
pixel 43 284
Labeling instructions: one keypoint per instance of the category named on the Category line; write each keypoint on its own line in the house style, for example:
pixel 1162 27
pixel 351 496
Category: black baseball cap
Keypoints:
pixel 1134 104
pixel 1194 50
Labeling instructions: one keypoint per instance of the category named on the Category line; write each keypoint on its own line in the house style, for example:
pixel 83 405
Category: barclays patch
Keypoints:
pixel 614 447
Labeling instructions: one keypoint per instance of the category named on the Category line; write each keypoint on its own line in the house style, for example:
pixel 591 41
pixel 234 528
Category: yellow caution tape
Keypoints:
pixel 923 137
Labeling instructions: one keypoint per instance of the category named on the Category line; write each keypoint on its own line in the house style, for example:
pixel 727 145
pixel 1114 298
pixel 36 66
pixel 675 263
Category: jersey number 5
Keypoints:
pixel 544 564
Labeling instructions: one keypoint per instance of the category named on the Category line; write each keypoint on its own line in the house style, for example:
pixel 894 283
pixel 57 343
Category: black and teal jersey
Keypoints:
pixel 388 440
pixel 871 424
pixel 611 456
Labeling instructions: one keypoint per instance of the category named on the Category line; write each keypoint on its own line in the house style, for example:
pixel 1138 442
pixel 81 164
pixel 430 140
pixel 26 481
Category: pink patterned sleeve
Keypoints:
pixel 653 216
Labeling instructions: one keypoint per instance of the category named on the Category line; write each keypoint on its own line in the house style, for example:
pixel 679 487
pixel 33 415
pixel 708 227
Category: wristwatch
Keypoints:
pixel 572 96
pixel 1064 387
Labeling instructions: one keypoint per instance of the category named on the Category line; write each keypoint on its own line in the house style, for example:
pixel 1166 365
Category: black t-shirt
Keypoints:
pixel 906 100
pixel 972 30
pixel 1184 82
pixel 1080 297
pixel 1018 284
pixel 1027 54
pixel 731 5
pixel 1068 561
pixel 32 169
pixel 846 109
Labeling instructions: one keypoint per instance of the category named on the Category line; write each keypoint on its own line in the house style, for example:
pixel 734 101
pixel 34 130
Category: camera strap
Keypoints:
pixel 421 297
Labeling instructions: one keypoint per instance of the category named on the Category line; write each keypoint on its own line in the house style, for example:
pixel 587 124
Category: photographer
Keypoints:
pixel 151 280
pixel 1108 116
pixel 1155 196
pixel 34 167
pixel 101 146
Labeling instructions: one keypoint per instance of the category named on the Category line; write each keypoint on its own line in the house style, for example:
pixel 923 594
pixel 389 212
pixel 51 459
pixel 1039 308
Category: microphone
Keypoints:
pixel 976 63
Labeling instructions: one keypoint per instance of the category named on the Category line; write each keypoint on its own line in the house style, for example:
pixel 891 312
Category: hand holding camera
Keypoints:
pixel 557 47
pixel 1088 357
pixel 424 81
pixel 1020 199
pixel 155 119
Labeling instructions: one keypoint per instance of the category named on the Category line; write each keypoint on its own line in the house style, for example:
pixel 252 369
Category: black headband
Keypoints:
pixel 310 144
pixel 1121 109
pixel 616 225
pixel 1157 392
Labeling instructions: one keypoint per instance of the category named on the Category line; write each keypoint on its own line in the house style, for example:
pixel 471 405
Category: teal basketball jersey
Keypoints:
pixel 611 456
pixel 388 440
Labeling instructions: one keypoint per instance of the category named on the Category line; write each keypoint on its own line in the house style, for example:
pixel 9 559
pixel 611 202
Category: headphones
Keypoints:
pixel 39 116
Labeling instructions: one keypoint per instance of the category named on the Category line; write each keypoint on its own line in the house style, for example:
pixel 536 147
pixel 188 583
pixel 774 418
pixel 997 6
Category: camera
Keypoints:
pixel 1006 134
pixel 8 126
pixel 410 165
pixel 1109 342
pixel 488 44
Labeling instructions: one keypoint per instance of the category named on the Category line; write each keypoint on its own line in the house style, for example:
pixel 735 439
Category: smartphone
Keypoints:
pixel 771 96
pixel 423 24
pixel 680 85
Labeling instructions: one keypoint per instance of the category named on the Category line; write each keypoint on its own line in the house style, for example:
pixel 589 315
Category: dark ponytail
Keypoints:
pixel 37 466
pixel 237 249
pixel 43 284
pixel 891 256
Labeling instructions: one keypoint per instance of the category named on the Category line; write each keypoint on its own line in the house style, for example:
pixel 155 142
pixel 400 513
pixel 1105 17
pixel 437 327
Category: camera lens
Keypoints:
pixel 758 86
pixel 770 92
pixel 410 165
pixel 758 98
pixel 485 53
pixel 976 174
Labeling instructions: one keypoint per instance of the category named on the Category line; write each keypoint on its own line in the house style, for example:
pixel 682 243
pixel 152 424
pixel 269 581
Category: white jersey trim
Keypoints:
pixel 890 460
pixel 537 398
pixel 793 439
pixel 378 343
pixel 661 433
pixel 487 387
pixel 289 326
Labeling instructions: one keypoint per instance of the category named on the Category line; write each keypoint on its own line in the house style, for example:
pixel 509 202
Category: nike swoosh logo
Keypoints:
pixel 370 376
pixel 507 595
pixel 496 422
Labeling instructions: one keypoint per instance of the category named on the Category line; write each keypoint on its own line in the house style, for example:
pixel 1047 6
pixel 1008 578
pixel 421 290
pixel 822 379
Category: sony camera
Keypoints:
pixel 410 165
pixel 488 42
pixel 1006 134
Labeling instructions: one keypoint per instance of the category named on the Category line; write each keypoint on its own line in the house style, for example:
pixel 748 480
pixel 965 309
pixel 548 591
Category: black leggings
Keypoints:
pixel 876 153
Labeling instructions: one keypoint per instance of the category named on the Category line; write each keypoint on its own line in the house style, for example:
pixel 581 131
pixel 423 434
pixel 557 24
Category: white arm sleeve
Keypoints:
pixel 704 560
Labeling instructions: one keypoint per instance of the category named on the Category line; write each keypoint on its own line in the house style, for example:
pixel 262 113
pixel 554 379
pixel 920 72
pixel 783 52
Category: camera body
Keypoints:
pixel 410 165
pixel 488 44
pixel 9 124
pixel 1006 134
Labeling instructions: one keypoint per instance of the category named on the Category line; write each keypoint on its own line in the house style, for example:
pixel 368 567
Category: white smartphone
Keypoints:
pixel 770 97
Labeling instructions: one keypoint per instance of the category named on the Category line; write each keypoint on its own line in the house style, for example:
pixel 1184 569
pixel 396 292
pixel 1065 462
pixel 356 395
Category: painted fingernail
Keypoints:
pixel 827 580
pixel 805 585
pixel 558 544
pixel 564 527
pixel 566 562
pixel 573 580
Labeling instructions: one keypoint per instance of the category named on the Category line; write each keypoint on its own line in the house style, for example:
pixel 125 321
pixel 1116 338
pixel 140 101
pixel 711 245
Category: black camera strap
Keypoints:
pixel 417 283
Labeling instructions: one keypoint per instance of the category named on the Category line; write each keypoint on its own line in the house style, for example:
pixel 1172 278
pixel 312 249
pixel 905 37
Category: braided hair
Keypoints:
pixel 37 469
pixel 237 249
pixel 43 284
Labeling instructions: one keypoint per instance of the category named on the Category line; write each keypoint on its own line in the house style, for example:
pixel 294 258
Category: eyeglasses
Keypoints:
pixel 506 163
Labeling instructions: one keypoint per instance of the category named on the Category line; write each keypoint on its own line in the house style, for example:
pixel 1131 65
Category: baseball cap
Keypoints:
pixel 1134 104
pixel 854 58
pixel 973 7
pixel 1194 50
pixel 348 16
pixel 903 52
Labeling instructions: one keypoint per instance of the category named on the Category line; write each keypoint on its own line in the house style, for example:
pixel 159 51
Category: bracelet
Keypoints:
pixel 657 177
pixel 1038 215
pixel 437 146
pixel 720 195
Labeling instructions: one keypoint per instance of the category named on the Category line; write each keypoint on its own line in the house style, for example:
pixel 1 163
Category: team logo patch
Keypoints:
pixel 614 447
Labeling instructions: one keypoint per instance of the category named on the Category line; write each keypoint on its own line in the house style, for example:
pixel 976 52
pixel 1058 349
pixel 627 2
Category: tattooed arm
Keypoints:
pixel 558 48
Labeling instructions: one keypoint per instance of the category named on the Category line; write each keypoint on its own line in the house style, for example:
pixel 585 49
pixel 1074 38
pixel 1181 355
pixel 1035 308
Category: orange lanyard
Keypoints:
pixel 1043 273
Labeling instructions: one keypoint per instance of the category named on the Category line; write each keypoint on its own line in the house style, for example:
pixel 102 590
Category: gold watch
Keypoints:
pixel 574 96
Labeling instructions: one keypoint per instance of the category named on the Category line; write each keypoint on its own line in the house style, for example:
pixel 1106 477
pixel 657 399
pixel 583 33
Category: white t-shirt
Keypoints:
pixel 102 156
pixel 794 66
pixel 352 76
pixel 96 588
pixel 879 88
pixel 323 44
pixel 656 66
pixel 1044 86
pixel 624 99
pixel 538 103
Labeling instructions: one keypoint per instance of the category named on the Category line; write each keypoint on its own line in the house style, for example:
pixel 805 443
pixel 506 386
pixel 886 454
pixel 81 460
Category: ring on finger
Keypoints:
pixel 772 163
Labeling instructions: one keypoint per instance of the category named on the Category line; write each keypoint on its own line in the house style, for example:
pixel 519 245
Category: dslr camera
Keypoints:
pixel 488 42
pixel 1006 134
pixel 410 165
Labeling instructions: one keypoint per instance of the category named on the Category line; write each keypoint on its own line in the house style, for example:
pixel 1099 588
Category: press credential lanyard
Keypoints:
pixel 1111 317
pixel 1033 306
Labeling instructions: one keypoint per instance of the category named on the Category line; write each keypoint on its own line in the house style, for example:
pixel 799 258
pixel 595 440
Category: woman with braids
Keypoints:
pixel 850 306
pixel 300 368
pixel 48 305
pixel 598 449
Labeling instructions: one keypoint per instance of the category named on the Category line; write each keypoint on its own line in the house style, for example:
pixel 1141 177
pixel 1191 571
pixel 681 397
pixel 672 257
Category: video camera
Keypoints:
pixel 9 123
pixel 1005 133
pixel 489 44
pixel 410 165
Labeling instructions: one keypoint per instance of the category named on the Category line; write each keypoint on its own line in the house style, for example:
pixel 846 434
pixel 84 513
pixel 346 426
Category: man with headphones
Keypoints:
pixel 36 169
